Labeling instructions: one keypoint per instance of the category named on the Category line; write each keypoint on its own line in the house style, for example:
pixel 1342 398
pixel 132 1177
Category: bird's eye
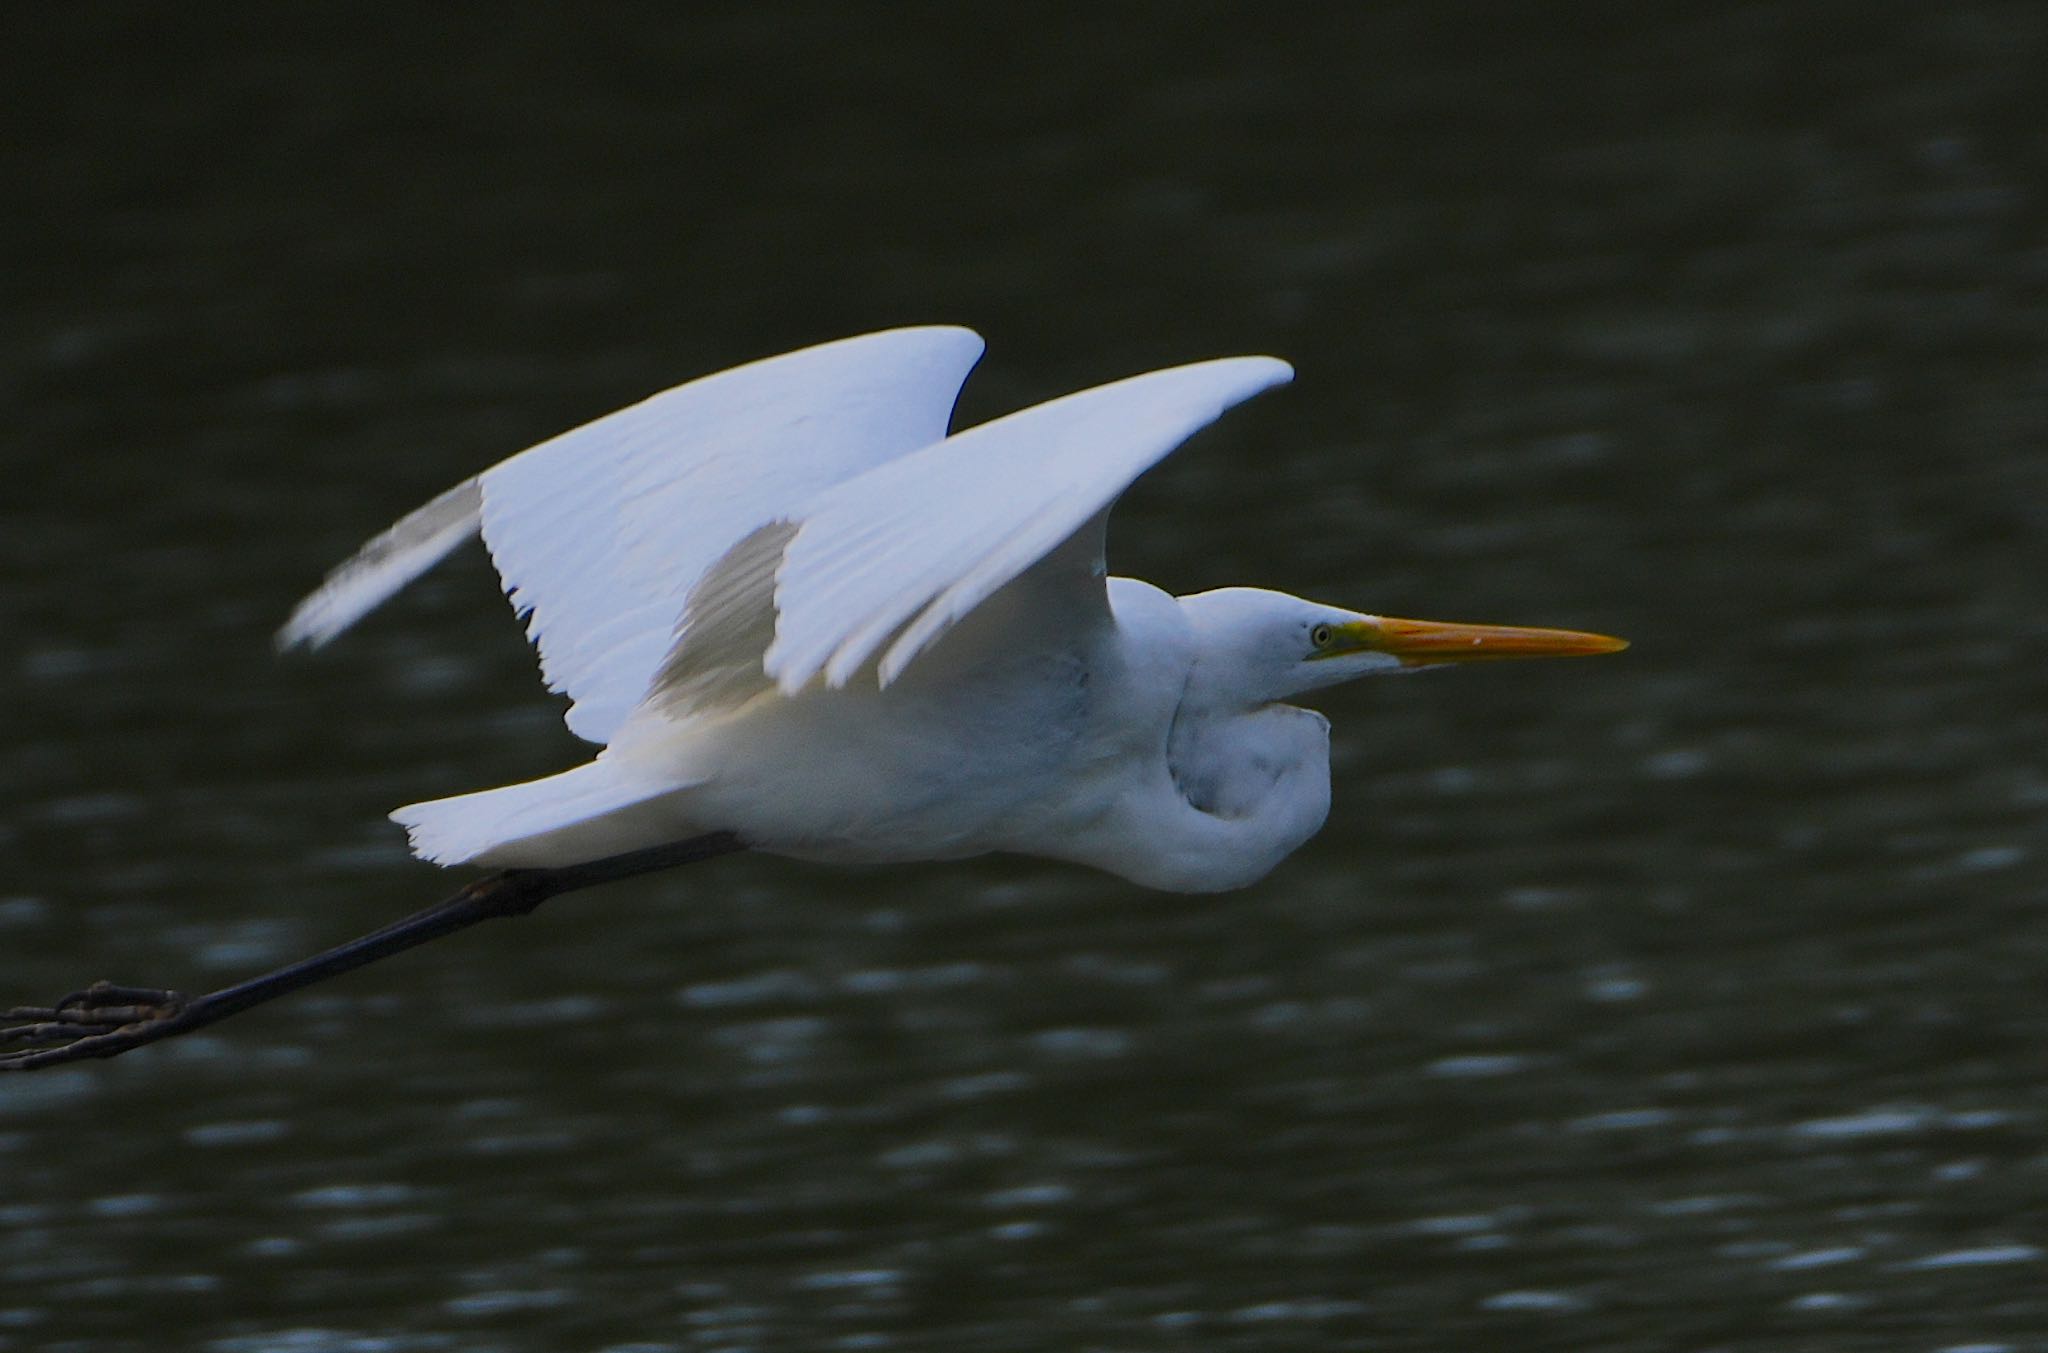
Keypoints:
pixel 1320 636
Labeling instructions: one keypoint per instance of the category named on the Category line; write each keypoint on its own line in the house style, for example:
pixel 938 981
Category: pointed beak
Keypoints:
pixel 1424 643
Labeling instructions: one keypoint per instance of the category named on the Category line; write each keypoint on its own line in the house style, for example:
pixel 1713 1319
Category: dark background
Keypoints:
pixel 1691 999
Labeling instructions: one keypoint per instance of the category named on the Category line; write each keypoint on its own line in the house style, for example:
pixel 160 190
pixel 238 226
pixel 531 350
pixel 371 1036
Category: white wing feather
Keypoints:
pixel 601 533
pixel 906 549
pixel 368 578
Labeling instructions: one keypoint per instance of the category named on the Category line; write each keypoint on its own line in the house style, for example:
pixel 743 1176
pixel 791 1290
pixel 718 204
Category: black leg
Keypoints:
pixel 105 1020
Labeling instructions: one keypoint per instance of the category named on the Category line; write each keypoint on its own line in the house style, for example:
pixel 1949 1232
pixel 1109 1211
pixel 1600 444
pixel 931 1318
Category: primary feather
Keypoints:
pixel 367 579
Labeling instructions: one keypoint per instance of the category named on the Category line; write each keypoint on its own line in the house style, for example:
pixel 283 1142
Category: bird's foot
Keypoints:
pixel 102 1020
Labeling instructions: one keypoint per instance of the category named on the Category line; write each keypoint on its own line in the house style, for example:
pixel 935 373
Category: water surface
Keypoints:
pixel 1690 999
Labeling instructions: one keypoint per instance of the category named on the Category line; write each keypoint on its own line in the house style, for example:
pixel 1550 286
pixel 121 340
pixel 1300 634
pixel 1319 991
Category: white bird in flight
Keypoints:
pixel 797 617
pixel 788 606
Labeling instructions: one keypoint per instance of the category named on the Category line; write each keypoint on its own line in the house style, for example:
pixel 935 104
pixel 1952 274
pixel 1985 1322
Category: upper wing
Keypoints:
pixel 898 554
pixel 600 534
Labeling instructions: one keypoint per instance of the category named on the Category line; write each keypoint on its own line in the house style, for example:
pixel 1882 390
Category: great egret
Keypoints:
pixel 798 617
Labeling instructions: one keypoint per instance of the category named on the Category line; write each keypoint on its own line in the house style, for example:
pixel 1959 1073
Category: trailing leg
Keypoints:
pixel 106 1020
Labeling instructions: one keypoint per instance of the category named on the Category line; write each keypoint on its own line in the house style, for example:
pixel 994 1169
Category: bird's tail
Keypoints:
pixel 583 814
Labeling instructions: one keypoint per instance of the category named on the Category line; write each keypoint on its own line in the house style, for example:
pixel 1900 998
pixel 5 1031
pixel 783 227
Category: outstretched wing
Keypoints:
pixel 895 556
pixel 601 533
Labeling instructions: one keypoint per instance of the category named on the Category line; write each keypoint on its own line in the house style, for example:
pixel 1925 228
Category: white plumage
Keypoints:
pixel 791 607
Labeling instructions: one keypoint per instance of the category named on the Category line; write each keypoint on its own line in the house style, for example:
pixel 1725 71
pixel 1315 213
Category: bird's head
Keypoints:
pixel 1257 646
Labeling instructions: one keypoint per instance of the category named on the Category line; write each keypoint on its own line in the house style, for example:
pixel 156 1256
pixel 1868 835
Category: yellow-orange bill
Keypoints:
pixel 1418 643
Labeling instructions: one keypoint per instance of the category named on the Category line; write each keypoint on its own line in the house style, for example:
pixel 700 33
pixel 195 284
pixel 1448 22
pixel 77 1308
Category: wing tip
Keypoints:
pixel 1266 371
pixel 382 566
pixel 955 333
pixel 301 632
pixel 954 347
pixel 324 614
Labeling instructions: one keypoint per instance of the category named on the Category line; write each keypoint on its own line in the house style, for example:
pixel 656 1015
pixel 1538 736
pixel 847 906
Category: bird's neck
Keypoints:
pixel 1232 764
pixel 1247 789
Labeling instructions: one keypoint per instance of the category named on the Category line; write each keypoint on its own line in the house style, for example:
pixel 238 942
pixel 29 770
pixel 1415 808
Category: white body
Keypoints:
pixel 1057 749
pixel 789 606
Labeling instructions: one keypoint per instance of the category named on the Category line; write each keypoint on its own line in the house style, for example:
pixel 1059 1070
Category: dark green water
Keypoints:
pixel 1692 999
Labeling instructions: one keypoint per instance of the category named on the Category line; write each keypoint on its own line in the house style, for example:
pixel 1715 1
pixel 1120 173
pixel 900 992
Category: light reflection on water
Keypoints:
pixel 1687 999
